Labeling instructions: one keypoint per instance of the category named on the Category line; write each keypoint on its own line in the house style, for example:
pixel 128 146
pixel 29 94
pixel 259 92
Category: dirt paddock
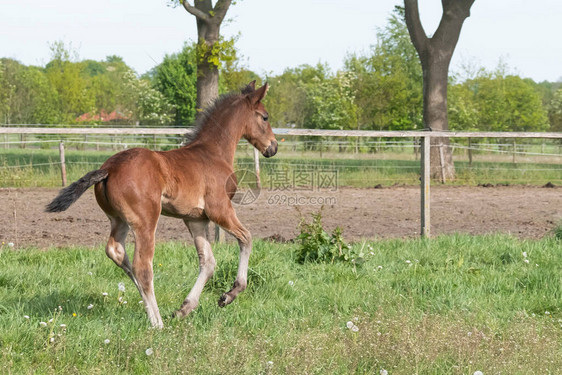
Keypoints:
pixel 524 211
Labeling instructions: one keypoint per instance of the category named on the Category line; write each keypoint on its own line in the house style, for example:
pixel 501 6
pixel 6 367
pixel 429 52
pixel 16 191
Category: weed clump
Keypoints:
pixel 316 245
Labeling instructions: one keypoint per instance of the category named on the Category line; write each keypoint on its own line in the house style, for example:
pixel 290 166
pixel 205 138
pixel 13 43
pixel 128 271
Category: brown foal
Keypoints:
pixel 194 183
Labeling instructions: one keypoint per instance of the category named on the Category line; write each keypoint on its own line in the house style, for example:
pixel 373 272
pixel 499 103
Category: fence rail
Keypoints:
pixel 424 136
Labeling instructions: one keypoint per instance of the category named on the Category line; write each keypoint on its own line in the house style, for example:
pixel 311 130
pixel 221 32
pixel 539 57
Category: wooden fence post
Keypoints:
pixel 62 163
pixel 470 152
pixel 257 167
pixel 219 234
pixel 442 161
pixel 425 187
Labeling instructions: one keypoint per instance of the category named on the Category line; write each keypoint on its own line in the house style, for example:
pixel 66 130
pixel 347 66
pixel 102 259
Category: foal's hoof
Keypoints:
pixel 225 300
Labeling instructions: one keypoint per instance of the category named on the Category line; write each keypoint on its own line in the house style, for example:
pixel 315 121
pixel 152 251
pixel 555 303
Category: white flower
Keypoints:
pixel 349 324
pixel 383 372
pixel 90 273
pixel 52 339
pixel 526 261
pixel 524 254
pixel 121 286
pixel 149 351
pixel 546 313
pixel 63 325
pixel 141 301
pixel 10 244
pixel 408 262
pixel 90 306
pixel 478 372
pixel 26 316
pixel 106 341
pixel 104 294
pixel 50 320
pixel 291 283
pixel 43 324
pixel 379 268
pixel 354 328
pixel 124 302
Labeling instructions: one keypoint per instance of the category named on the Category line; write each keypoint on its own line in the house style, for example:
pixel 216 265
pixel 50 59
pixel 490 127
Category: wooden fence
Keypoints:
pixel 424 136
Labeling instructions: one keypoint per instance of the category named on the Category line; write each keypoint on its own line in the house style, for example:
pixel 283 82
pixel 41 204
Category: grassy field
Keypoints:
pixel 40 168
pixel 452 305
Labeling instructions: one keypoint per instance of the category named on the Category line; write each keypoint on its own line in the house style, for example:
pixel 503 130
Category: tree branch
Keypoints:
pixel 196 12
pixel 449 29
pixel 415 28
pixel 221 7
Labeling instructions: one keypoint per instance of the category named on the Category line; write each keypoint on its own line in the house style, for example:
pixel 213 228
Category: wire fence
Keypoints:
pixel 33 160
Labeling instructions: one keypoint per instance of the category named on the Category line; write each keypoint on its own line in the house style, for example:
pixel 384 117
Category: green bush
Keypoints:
pixel 316 245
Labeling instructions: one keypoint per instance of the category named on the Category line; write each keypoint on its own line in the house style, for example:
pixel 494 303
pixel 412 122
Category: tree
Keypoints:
pixel 176 79
pixel 435 54
pixel 555 112
pixel 210 46
pixel 388 82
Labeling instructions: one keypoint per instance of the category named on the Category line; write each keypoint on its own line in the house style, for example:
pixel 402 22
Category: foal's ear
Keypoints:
pixel 250 88
pixel 258 95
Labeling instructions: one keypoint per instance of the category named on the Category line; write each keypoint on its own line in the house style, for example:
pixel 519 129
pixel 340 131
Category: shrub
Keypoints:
pixel 316 245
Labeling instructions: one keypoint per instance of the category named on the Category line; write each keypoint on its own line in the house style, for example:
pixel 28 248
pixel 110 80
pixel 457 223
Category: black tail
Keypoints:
pixel 70 194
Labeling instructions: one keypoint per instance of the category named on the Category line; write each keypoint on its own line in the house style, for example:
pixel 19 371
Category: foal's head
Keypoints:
pixel 257 129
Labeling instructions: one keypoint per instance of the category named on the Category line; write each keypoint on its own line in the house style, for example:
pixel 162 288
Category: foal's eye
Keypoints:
pixel 265 118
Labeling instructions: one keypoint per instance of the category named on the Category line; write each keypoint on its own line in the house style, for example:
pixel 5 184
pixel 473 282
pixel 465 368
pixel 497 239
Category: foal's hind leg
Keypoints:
pixel 198 230
pixel 115 248
pixel 142 265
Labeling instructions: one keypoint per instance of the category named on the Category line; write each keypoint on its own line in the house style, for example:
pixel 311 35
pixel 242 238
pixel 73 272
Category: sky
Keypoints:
pixel 275 35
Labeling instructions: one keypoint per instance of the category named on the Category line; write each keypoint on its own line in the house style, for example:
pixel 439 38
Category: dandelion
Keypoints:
pixel 291 283
pixel 10 244
pixel 90 306
pixel 478 372
pixel 104 294
pixel 121 287
pixel 106 341
pixel 383 372
pixel 354 328
pixel 350 324
pixel 379 268
pixel 43 324
pixel 120 299
pixel 26 316
pixel 74 314
pixel 149 351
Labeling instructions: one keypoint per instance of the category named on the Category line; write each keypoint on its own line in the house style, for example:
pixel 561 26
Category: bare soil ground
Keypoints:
pixel 524 211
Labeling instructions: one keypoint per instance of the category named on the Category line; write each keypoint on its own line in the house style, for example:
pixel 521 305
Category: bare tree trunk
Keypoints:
pixel 209 20
pixel 435 54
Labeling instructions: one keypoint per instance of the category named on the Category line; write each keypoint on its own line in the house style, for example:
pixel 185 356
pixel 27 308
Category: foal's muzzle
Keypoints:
pixel 271 150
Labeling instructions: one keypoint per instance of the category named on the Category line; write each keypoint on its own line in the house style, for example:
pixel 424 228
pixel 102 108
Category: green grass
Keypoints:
pixel 40 168
pixel 452 305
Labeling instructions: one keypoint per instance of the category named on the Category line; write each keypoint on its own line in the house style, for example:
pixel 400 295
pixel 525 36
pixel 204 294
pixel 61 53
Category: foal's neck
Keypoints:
pixel 219 137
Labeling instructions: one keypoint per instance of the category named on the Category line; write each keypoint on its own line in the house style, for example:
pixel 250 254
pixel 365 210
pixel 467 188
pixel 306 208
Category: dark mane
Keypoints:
pixel 208 112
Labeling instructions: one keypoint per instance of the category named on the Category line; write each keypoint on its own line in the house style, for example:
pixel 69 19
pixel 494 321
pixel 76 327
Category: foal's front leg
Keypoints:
pixel 207 263
pixel 232 225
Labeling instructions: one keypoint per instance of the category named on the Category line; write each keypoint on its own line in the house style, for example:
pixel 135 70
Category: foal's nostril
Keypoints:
pixel 271 150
